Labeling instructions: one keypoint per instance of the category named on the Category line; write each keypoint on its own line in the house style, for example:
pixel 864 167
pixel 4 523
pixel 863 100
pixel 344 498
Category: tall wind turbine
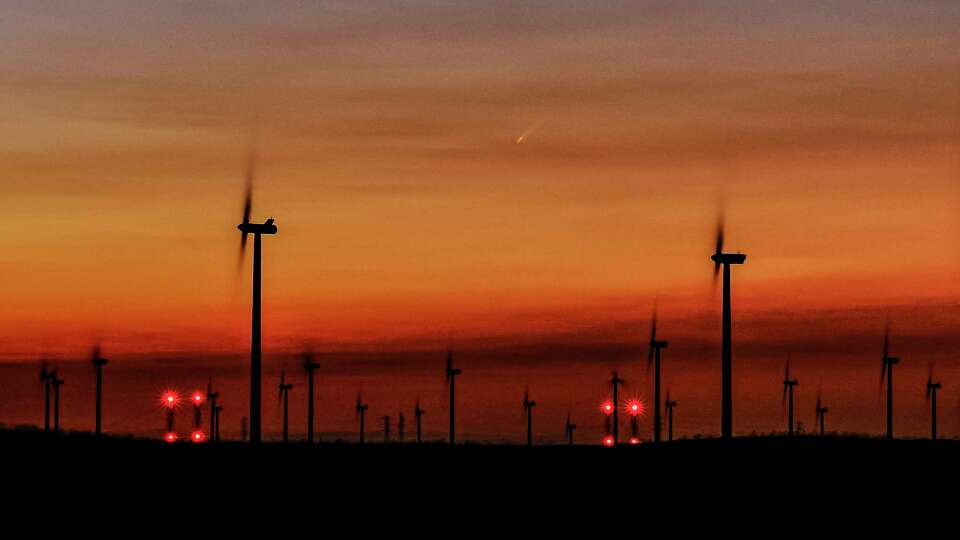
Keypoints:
pixel 98 363
pixel 821 413
pixel 616 381
pixel 788 385
pixel 45 377
pixel 669 405
pixel 212 398
pixel 568 430
pixel 361 413
pixel 451 378
pixel 528 406
pixel 57 382
pixel 311 367
pixel 719 259
pixel 283 394
pixel 886 372
pixel 257 230
pixel 932 388
pixel 655 347
pixel 418 413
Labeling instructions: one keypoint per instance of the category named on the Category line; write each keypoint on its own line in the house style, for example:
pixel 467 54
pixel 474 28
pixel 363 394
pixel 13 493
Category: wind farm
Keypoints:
pixel 614 237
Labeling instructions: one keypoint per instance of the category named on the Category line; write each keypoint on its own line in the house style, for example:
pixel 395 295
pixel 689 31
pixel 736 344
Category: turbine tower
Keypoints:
pixel 216 422
pixel 57 382
pixel 212 398
pixel 98 363
pixel 655 348
pixel 311 367
pixel 669 405
pixel 418 413
pixel 528 406
pixel 886 372
pixel 821 414
pixel 45 377
pixel 788 385
pixel 361 413
pixel 257 230
pixel 401 426
pixel 932 388
pixel 719 259
pixel 616 381
pixel 451 378
pixel 283 395
pixel 568 430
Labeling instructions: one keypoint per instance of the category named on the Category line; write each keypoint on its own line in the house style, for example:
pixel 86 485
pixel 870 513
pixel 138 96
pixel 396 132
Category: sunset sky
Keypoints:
pixel 412 219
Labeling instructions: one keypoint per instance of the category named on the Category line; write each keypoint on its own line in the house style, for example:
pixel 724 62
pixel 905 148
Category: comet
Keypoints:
pixel 529 131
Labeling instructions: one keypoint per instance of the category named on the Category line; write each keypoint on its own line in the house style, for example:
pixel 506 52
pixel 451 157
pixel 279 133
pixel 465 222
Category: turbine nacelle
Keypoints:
pixel 266 227
pixel 729 258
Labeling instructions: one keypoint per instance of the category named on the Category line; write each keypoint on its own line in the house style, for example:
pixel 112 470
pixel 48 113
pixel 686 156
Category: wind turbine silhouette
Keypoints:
pixel 216 422
pixel 451 378
pixel 283 395
pixel 57 382
pixel 45 377
pixel 821 413
pixel 932 388
pixel 386 429
pixel 568 430
pixel 887 372
pixel 788 385
pixel 669 405
pixel 719 259
pixel 528 406
pixel 257 230
pixel 197 399
pixel 311 367
pixel 655 348
pixel 418 413
pixel 616 381
pixel 98 363
pixel 401 426
pixel 361 413
pixel 212 398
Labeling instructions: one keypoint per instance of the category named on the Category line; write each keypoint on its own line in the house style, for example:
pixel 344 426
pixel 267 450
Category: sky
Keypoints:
pixel 520 182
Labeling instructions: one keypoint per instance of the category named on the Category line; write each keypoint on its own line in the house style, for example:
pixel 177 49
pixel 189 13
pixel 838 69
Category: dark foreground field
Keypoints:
pixel 746 474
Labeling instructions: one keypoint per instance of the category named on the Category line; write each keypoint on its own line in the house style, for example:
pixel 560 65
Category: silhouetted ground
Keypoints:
pixel 705 473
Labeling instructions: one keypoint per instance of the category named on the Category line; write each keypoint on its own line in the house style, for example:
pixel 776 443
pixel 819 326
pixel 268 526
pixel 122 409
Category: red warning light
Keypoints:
pixel 608 441
pixel 198 436
pixel 634 440
pixel 607 407
pixel 170 399
pixel 197 398
pixel 170 437
pixel 635 407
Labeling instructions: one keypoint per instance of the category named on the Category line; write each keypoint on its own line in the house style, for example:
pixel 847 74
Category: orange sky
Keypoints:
pixel 408 213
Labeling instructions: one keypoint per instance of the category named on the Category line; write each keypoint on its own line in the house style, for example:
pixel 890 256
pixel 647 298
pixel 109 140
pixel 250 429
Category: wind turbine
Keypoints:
pixel 886 371
pixel 216 422
pixel 932 388
pixel 45 377
pixel 719 259
pixel 418 413
pixel 788 385
pixel 170 400
pixel 568 430
pixel 283 395
pixel 669 405
pixel 451 378
pixel 197 399
pixel 616 381
pixel 98 363
pixel 401 426
pixel 655 348
pixel 311 367
pixel 386 429
pixel 635 409
pixel 57 382
pixel 257 230
pixel 212 398
pixel 821 413
pixel 528 406
pixel 361 412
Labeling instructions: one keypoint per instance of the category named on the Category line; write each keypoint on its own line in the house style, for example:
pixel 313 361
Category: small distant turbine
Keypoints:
pixel 656 346
pixel 528 406
pixel 57 382
pixel 932 388
pixel 568 430
pixel 451 378
pixel 418 414
pixel 788 386
pixel 311 367
pixel 821 414
pixel 886 372
pixel 283 395
pixel 212 398
pixel 361 413
pixel 401 426
pixel 635 409
pixel 669 405
pixel 98 363
pixel 170 400
pixel 197 400
pixel 216 423
pixel 616 381
pixel 386 429
pixel 45 377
